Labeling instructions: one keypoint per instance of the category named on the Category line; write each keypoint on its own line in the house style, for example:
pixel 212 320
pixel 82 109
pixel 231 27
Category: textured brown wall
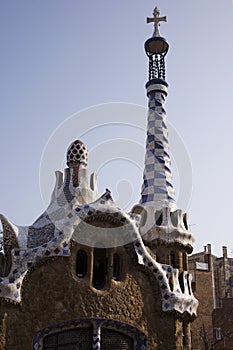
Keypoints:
pixel 52 293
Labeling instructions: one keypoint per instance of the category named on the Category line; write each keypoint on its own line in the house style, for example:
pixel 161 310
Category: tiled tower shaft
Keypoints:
pixel 157 188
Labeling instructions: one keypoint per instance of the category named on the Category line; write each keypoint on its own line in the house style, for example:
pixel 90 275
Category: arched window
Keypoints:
pixel 181 281
pixel 99 268
pixel 71 339
pixel 173 259
pixel 185 219
pixel 116 267
pixel 174 218
pixel 80 334
pixel 184 328
pixel 185 262
pixel 158 218
pixel 81 263
pixel 111 339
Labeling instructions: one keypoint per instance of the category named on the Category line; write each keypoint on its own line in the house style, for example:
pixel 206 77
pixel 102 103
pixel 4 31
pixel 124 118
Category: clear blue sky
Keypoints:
pixel 59 57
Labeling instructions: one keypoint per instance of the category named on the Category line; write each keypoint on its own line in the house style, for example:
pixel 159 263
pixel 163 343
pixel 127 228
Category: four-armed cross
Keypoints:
pixel 156 19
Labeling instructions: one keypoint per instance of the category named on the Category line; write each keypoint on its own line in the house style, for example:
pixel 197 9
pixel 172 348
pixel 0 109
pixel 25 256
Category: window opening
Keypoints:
pixel 71 339
pixel 158 218
pixel 173 259
pixel 218 335
pixel 185 267
pixel 99 268
pixel 116 267
pixel 81 264
pixel 174 218
pixel 184 334
pixel 111 339
pixel 181 281
pixel 185 221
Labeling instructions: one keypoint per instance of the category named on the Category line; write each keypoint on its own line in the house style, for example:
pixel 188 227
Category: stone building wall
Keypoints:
pixel 200 265
pixel 223 325
pixel 223 271
pixel 52 293
pixel 213 287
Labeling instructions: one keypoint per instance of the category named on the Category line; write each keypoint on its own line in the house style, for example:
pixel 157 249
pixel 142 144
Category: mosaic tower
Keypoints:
pixel 87 275
pixel 164 227
pixel 157 187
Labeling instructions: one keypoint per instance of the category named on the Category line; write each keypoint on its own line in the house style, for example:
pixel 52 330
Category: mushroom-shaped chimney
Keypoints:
pixel 76 159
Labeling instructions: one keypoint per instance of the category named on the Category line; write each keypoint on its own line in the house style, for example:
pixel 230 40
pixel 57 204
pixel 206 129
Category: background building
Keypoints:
pixel 212 285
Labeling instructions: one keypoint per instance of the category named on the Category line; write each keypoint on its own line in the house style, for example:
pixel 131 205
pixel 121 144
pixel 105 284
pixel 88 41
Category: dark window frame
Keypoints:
pixel 81 263
pixel 116 267
pixel 100 267
pixel 59 344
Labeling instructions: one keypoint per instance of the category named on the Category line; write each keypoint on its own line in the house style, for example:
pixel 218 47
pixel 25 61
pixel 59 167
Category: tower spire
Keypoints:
pixel 156 48
pixel 157 188
pixel 156 19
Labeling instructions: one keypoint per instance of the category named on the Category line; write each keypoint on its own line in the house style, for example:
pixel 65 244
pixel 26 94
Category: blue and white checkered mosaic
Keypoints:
pixel 157 185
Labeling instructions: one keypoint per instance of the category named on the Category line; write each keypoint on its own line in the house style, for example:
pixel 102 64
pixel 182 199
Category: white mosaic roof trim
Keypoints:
pixel 168 231
pixel 69 217
pixel 175 299
pixel 63 194
pixel 23 259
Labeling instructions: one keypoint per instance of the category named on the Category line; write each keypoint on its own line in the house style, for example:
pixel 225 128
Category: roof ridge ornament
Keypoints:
pixel 156 19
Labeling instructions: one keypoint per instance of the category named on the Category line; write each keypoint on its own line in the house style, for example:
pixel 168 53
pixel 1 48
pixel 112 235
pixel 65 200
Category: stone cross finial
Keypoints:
pixel 156 19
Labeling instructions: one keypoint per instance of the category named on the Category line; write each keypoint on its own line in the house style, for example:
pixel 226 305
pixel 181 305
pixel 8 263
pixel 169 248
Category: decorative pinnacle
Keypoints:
pixel 156 19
